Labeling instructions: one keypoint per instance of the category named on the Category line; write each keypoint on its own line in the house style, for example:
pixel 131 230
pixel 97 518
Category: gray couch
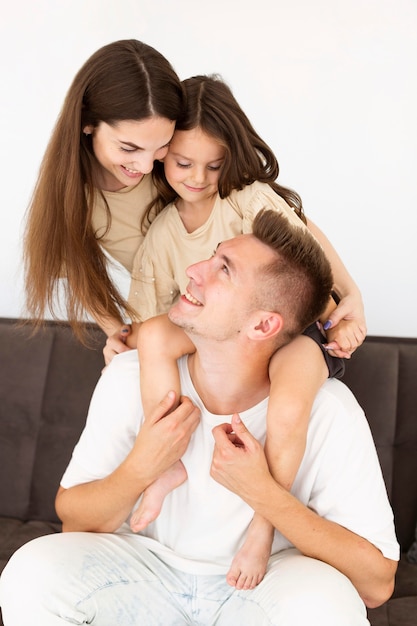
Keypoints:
pixel 45 387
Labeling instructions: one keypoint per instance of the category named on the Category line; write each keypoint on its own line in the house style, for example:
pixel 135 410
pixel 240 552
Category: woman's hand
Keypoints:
pixel 122 340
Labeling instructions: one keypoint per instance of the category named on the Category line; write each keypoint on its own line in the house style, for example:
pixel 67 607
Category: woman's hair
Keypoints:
pixel 124 80
pixel 211 106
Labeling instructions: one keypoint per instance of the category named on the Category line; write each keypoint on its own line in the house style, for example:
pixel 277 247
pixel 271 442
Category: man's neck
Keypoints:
pixel 228 382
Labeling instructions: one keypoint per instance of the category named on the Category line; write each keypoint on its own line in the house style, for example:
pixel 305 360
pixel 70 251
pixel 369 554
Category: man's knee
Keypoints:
pixel 300 590
pixel 28 562
pixel 24 580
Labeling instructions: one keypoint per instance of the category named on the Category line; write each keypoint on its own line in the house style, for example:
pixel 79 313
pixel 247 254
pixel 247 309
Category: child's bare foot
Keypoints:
pixel 153 497
pixel 249 565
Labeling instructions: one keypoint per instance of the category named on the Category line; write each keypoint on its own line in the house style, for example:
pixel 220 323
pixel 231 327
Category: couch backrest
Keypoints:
pixel 47 381
pixel 383 376
pixel 46 384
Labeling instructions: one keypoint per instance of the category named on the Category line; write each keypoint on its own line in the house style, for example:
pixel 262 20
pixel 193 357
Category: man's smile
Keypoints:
pixel 191 299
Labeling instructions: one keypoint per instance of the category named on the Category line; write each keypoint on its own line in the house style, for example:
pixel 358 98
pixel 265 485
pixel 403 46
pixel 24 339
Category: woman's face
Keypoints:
pixel 126 150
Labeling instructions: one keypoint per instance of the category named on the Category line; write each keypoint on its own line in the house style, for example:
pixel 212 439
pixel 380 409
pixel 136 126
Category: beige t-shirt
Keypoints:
pixel 168 249
pixel 127 206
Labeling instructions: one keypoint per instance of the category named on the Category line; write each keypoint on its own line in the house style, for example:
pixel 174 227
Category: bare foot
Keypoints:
pixel 249 565
pixel 153 497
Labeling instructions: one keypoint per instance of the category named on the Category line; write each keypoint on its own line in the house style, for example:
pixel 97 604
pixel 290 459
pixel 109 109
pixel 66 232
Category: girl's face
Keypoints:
pixel 126 150
pixel 192 165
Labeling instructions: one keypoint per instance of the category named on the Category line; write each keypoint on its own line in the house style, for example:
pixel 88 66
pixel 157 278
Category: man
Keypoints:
pixel 334 548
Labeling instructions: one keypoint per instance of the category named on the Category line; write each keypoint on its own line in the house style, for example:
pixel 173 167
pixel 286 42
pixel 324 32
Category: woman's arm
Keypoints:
pixel 120 338
pixel 343 281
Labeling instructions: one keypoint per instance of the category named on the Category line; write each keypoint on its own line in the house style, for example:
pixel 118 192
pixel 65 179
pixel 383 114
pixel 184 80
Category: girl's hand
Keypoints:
pixel 345 328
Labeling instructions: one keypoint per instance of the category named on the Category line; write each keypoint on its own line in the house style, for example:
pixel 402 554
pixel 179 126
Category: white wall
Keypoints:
pixel 330 84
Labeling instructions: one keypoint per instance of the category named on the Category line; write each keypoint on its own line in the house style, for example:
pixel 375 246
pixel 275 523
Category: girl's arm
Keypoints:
pixel 296 372
pixel 160 343
pixel 346 325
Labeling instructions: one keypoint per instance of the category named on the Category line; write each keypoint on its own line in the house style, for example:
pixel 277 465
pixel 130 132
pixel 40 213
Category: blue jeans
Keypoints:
pixel 114 580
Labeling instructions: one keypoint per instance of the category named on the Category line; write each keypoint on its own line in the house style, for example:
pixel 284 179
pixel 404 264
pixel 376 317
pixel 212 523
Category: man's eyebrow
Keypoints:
pixel 227 260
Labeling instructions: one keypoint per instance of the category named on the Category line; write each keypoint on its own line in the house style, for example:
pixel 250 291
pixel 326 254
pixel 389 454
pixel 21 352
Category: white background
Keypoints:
pixel 329 84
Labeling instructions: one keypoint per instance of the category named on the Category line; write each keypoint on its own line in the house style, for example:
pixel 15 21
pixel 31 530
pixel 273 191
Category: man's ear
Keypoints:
pixel 265 325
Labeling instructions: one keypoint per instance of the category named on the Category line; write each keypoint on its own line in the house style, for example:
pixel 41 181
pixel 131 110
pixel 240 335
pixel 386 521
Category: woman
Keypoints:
pixel 94 183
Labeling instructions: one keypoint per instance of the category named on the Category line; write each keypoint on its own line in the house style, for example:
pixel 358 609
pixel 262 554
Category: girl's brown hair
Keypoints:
pixel 124 80
pixel 211 106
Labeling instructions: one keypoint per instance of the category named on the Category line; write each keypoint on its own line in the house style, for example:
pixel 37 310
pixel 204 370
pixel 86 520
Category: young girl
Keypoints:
pixel 217 175
pixel 94 183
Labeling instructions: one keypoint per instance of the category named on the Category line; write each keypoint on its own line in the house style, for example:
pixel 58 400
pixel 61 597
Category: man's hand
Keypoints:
pixel 239 464
pixel 164 436
pixel 104 504
pixel 239 461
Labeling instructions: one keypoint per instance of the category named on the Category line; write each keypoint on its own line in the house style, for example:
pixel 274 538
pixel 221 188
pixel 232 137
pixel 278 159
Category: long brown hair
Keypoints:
pixel 211 106
pixel 124 80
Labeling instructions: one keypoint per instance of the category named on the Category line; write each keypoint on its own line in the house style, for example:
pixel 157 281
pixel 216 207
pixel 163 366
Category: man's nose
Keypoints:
pixel 197 271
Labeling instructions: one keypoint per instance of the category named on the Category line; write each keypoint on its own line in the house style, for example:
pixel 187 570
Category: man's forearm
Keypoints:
pixel 239 464
pixel 369 571
pixel 102 505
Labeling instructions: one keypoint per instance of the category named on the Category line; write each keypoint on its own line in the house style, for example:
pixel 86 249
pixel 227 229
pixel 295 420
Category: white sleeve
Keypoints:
pixel 342 467
pixel 113 421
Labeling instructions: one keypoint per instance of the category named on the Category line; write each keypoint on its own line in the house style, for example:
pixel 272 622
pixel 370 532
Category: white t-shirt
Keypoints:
pixel 202 524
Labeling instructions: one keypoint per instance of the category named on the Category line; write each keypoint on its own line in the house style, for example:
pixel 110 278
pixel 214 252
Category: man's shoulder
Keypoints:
pixel 336 398
pixel 130 356
pixel 121 363
pixel 337 419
